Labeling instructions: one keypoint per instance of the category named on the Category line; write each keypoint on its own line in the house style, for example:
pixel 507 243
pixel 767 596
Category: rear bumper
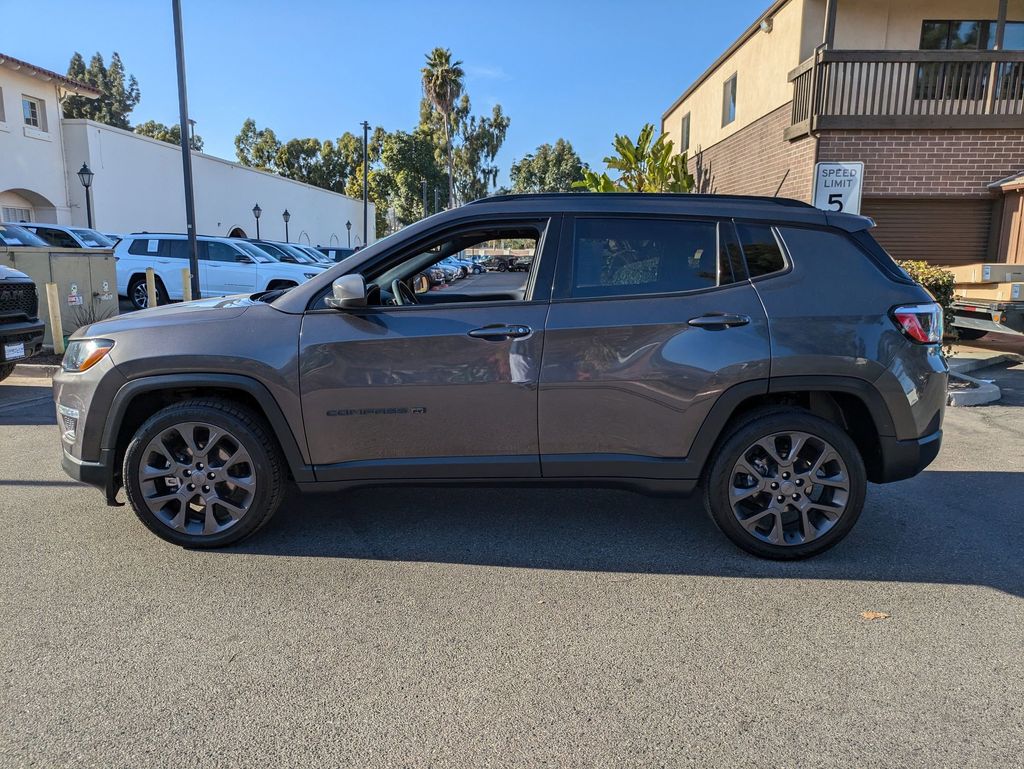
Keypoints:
pixel 905 459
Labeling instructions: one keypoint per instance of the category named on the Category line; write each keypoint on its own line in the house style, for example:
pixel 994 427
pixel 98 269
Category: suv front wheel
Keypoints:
pixel 203 473
pixel 785 484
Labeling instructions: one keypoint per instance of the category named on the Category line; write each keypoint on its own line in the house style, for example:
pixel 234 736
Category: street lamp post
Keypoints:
pixel 186 151
pixel 425 212
pixel 286 216
pixel 348 226
pixel 85 176
pixel 437 200
pixel 366 188
pixel 256 211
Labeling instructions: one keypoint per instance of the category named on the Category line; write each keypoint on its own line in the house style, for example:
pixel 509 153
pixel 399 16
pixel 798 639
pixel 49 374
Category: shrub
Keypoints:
pixel 939 283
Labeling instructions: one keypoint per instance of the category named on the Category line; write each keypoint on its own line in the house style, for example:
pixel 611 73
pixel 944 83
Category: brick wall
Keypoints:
pixel 928 163
pixel 754 160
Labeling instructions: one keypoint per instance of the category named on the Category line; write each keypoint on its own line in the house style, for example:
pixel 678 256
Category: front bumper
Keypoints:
pixel 905 459
pixel 99 474
pixel 30 333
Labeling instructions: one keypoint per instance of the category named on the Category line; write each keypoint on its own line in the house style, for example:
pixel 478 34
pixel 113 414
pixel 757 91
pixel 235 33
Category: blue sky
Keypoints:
pixel 582 70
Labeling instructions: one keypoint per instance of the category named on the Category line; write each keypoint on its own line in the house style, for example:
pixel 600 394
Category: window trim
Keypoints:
pixel 562 288
pixel 733 78
pixel 40 106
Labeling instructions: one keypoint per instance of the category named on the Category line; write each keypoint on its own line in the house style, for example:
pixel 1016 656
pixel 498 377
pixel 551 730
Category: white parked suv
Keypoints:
pixel 226 266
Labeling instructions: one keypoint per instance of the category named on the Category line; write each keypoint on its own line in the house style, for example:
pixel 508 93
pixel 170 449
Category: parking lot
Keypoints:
pixel 513 627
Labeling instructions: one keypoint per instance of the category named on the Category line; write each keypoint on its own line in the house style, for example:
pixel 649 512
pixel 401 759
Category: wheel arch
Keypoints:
pixel 854 404
pixel 138 399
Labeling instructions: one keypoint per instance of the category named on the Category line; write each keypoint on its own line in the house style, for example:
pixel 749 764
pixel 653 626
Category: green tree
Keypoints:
pixel 170 134
pixel 256 148
pixel 407 160
pixel 481 138
pixel 646 165
pixel 118 95
pixel 442 86
pixel 548 169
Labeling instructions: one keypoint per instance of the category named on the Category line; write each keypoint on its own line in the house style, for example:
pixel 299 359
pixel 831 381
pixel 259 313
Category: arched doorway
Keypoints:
pixel 20 204
pixel 237 232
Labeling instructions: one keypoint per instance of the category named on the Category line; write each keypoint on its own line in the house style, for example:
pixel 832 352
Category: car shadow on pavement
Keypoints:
pixel 922 530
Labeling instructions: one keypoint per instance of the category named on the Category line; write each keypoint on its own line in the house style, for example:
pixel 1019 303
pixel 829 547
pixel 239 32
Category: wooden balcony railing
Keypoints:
pixel 839 89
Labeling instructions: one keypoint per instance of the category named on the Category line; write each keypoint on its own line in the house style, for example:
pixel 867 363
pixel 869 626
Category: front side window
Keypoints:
pixel 622 257
pixel 34 113
pixel 220 252
pixel 761 249
pixel 729 101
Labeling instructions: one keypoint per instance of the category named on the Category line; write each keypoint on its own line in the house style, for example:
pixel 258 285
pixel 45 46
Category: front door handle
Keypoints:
pixel 500 331
pixel 719 320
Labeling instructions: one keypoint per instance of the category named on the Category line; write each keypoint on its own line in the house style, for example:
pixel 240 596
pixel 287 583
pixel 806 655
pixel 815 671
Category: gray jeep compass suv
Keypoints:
pixel 769 352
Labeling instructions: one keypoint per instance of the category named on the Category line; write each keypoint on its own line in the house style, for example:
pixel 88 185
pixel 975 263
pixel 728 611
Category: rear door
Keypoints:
pixel 651 320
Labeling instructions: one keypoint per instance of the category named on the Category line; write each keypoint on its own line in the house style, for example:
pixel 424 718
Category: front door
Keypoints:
pixel 443 387
pixel 651 320
pixel 225 270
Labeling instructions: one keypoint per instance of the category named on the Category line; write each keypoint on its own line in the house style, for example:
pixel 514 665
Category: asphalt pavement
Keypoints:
pixel 513 627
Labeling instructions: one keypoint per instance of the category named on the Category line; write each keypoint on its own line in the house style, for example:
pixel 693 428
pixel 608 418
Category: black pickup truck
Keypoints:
pixel 21 331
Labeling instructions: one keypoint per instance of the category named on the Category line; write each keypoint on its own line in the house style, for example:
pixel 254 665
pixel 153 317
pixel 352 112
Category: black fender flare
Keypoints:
pixel 302 472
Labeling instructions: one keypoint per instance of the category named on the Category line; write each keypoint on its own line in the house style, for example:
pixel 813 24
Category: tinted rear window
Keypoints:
pixel 617 257
pixel 836 247
pixel 761 249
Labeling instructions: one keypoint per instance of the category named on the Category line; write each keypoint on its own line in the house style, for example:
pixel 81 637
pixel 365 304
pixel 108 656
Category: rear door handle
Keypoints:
pixel 719 320
pixel 501 331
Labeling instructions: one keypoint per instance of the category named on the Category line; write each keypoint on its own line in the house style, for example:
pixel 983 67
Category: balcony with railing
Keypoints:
pixel 847 89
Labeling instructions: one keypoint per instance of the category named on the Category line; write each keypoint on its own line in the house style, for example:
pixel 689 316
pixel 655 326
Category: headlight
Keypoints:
pixel 310 275
pixel 83 354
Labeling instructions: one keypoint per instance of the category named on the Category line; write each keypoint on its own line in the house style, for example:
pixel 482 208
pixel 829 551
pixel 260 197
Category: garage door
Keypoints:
pixel 936 231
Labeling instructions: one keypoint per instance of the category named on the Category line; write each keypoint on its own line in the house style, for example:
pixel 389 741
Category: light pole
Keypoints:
pixel 425 212
pixel 256 211
pixel 366 188
pixel 286 216
pixel 348 226
pixel 85 175
pixel 437 200
pixel 186 150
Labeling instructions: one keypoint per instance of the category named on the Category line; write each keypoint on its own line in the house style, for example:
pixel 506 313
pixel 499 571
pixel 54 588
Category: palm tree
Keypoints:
pixel 442 86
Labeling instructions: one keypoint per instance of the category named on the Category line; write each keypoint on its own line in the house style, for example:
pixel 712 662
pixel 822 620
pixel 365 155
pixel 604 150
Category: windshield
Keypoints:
pixel 300 256
pixel 254 251
pixel 12 235
pixel 93 239
pixel 316 256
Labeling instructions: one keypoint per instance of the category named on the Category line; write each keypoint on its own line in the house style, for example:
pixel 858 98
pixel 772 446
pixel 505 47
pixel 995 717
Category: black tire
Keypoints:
pixel 6 369
pixel 720 481
pixel 968 334
pixel 137 292
pixel 243 427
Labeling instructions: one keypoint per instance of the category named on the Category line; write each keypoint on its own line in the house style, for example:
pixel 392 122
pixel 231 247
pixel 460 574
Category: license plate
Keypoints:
pixel 14 351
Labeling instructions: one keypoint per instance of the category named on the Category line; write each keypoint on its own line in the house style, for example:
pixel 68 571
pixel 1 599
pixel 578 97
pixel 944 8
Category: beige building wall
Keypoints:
pixel 896 24
pixel 761 64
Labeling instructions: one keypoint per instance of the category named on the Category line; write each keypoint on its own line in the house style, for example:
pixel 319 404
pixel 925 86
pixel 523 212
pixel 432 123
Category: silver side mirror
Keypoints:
pixel 348 291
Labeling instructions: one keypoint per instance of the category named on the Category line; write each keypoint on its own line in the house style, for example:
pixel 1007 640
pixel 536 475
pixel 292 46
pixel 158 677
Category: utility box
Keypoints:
pixel 86 283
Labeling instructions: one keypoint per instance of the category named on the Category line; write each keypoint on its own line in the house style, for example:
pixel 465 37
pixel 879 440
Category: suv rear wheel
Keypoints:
pixel 203 473
pixel 785 484
pixel 138 295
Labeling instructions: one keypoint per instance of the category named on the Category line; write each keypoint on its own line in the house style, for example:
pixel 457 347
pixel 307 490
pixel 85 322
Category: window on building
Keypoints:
pixel 942 80
pixel 970 35
pixel 684 133
pixel 3 118
pixel 761 249
pixel 729 101
pixel 12 214
pixel 623 257
pixel 34 111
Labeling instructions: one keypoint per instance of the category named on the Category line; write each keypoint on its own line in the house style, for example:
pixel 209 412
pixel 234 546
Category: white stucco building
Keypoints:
pixel 138 181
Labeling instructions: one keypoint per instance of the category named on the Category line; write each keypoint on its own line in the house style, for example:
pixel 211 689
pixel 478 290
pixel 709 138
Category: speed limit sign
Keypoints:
pixel 837 186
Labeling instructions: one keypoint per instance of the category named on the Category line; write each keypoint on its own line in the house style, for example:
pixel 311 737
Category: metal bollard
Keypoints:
pixel 151 287
pixel 186 285
pixel 56 327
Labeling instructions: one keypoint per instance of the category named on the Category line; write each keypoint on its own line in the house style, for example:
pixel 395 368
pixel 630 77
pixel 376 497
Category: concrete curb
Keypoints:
pixel 36 370
pixel 966 365
pixel 984 392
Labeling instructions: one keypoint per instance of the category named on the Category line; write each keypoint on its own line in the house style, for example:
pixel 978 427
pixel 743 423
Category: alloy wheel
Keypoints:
pixel 197 478
pixel 789 488
pixel 140 296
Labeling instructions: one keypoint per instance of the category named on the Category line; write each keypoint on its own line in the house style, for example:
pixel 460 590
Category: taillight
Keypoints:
pixel 920 323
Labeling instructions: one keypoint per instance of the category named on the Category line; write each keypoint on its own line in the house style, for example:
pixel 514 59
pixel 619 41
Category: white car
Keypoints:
pixel 69 237
pixel 226 266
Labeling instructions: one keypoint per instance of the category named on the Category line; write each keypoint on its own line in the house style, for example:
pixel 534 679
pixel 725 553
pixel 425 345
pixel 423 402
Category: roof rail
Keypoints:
pixel 765 199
